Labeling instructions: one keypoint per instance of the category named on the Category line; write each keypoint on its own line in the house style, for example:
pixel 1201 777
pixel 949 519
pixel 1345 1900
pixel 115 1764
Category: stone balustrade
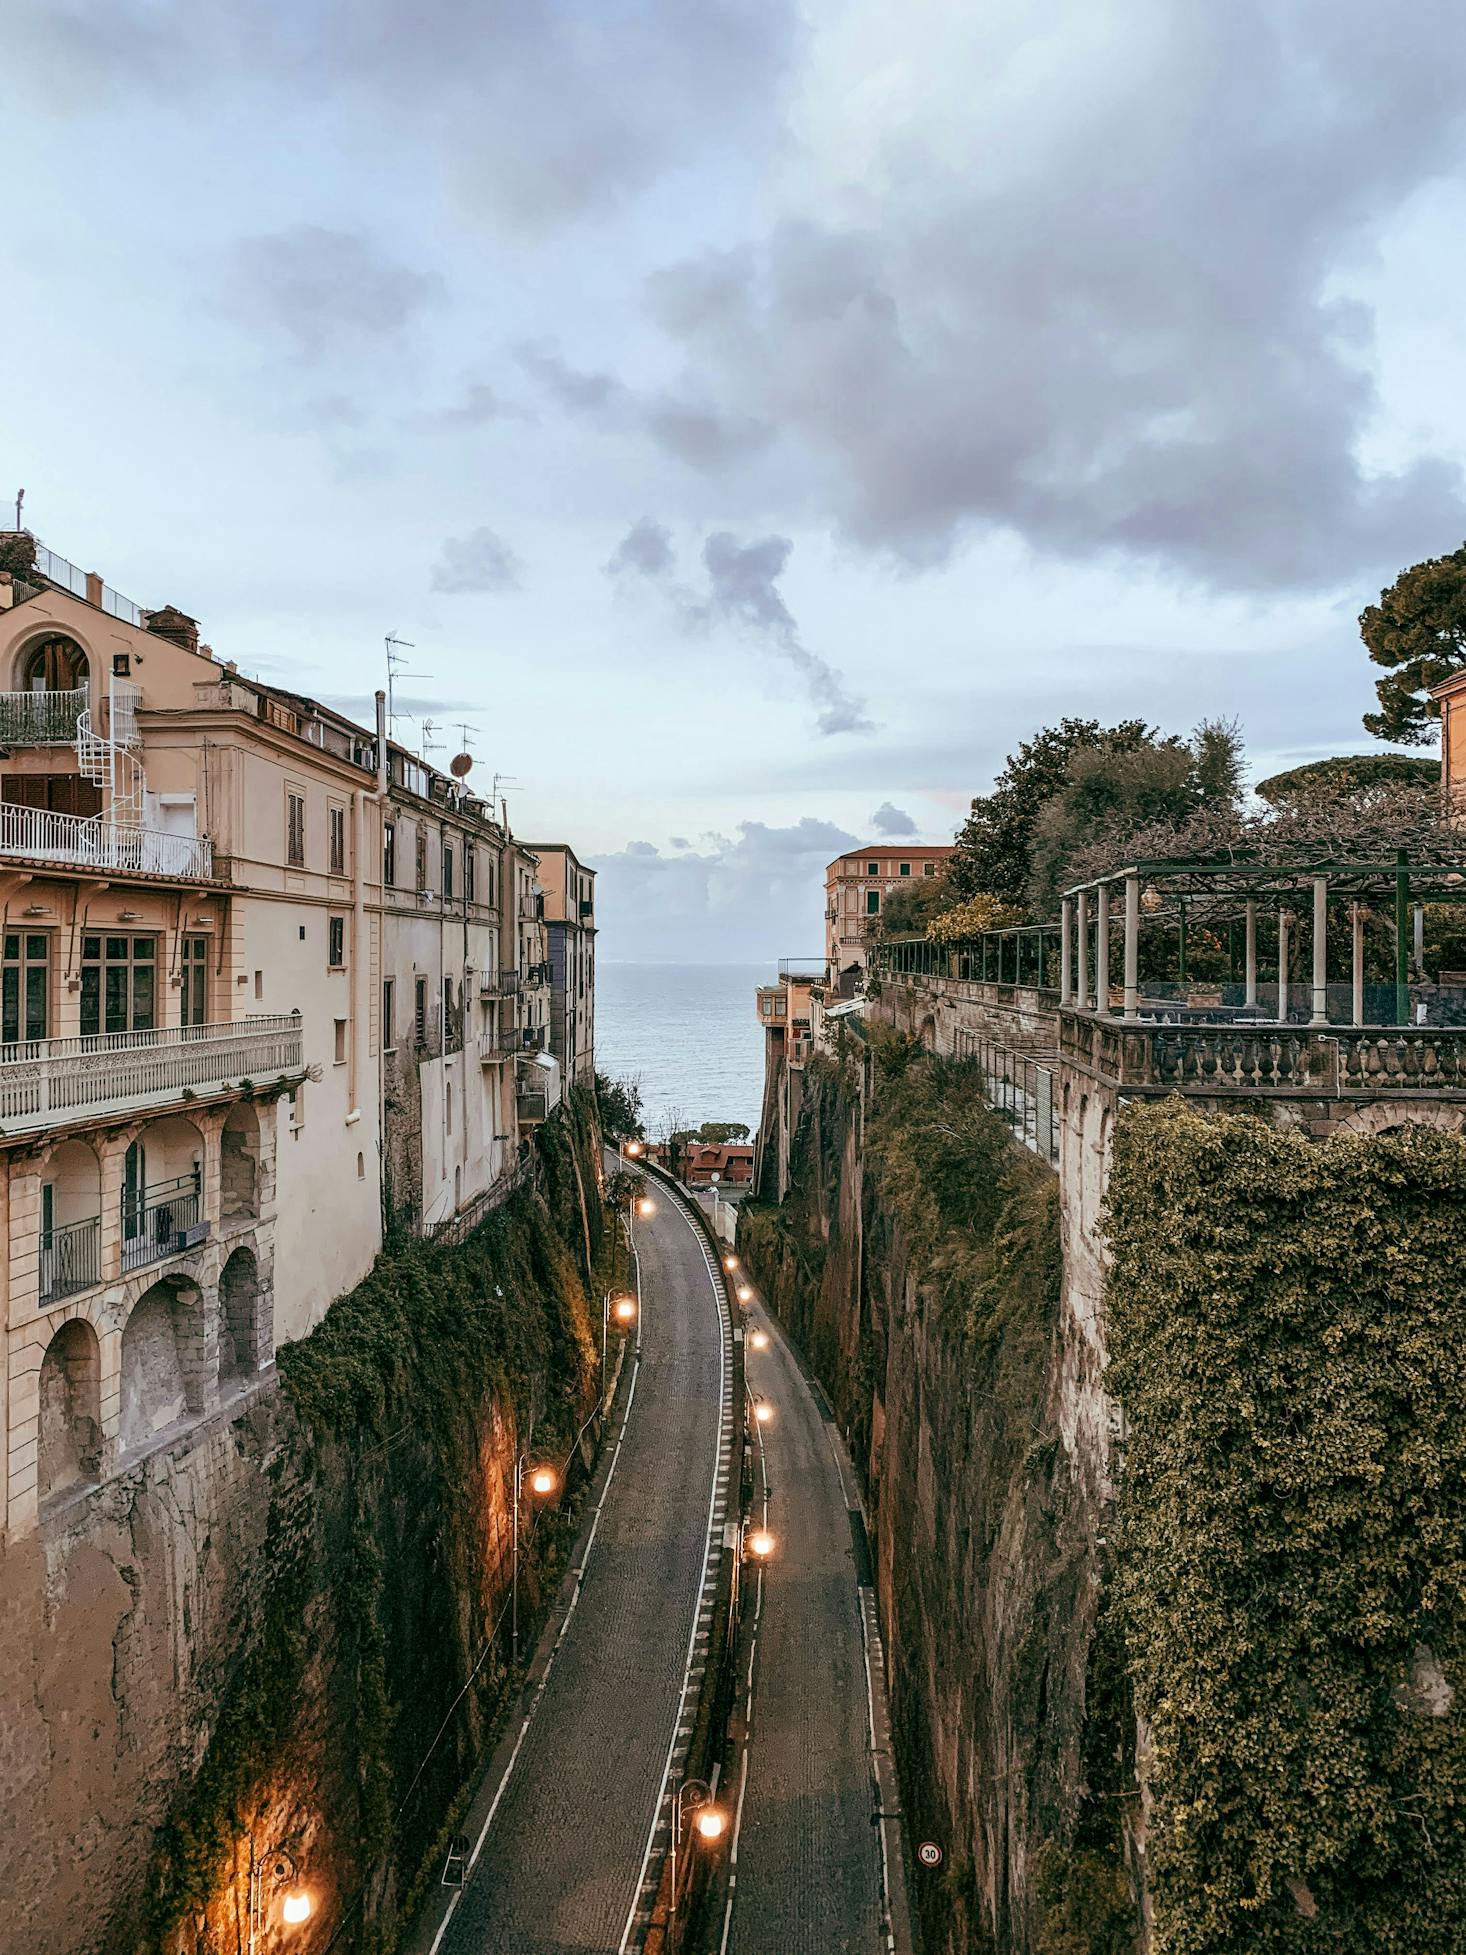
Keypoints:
pixel 1333 1063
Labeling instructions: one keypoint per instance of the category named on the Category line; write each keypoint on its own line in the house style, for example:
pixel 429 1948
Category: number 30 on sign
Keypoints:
pixel 929 1854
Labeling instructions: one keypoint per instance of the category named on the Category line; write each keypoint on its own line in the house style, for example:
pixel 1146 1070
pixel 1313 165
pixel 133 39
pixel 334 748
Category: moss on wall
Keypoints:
pixel 1287 1321
pixel 357 1704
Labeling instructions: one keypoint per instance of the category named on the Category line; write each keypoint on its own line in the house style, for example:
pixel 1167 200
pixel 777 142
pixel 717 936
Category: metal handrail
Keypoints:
pixel 151 1227
pixel 70 1258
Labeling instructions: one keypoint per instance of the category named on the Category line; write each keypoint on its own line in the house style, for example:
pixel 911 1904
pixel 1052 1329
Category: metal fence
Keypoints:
pixel 1018 1086
pixel 151 1228
pixel 70 1258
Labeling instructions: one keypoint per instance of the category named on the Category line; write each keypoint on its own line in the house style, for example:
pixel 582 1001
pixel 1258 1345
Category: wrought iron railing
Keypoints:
pixel 41 719
pixel 1018 1085
pixel 155 1226
pixel 43 1081
pixel 70 1258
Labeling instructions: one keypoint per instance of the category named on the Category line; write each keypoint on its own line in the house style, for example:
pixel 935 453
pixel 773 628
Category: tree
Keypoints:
pixel 994 844
pixel 1112 792
pixel 909 909
pixel 713 1133
pixel 970 918
pixel 1347 773
pixel 1417 631
pixel 619 1104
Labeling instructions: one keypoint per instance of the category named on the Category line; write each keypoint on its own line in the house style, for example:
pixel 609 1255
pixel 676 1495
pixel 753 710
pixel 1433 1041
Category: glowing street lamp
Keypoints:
pixel 277 1870
pixel 646 1206
pixel 544 1479
pixel 624 1310
pixel 633 1148
pixel 709 1822
pixel 745 1294
pixel 761 1544
pixel 296 1907
pixel 759 1339
pixel 730 1263
pixel 763 1412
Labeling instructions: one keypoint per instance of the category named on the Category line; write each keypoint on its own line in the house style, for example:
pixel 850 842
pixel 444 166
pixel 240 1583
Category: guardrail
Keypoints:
pixel 42 835
pixel 44 1082
pixel 1329 1062
pixel 70 1258
pixel 41 719
pixel 157 1225
pixel 1017 1084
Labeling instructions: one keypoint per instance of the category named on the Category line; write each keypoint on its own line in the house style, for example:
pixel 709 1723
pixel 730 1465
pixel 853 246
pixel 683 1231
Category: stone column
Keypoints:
pixel 1320 1015
pixel 196 1332
pixel 1357 914
pixel 1066 954
pixel 1132 946
pixel 1102 951
pixel 1285 918
pixel 1081 946
pixel 1249 996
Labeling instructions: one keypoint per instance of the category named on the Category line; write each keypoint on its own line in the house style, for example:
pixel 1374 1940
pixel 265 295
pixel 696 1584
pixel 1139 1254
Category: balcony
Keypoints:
pixel 49 1082
pixel 533 1105
pixel 1246 1059
pixel 165 1222
pixel 498 984
pixel 70 1259
pixel 505 1043
pixel 87 841
pixel 41 719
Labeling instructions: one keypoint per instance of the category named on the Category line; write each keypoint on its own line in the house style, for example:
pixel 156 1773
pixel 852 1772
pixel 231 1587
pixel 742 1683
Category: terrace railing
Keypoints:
pixel 44 1082
pixel 41 719
pixel 1338 1062
pixel 39 834
pixel 1018 1085
pixel 163 1223
pixel 70 1258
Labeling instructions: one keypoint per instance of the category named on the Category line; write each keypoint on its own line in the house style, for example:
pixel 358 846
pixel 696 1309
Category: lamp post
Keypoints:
pixel 709 1823
pixel 543 1481
pixel 623 1310
pixel 278 1870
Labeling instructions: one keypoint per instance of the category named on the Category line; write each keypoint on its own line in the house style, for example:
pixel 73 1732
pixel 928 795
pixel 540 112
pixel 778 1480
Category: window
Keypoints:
pixel 55 665
pixel 119 977
pixel 928 868
pixel 389 991
pixel 295 830
pixel 421 863
pixel 470 854
pixel 389 855
pixel 448 1105
pixel 25 987
pixel 447 872
pixel 336 835
pixel 420 1011
pixel 872 902
pixel 336 932
pixel 340 1041
pixel 906 868
pixel 872 868
pixel 194 1009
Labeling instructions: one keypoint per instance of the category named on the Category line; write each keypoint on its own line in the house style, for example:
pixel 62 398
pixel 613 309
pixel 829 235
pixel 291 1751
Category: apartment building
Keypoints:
pixel 570 934
pixel 263 973
pixel 857 886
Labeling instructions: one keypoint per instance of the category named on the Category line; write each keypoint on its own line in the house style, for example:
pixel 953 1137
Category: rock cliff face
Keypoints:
pixel 277 1632
pixel 916 1262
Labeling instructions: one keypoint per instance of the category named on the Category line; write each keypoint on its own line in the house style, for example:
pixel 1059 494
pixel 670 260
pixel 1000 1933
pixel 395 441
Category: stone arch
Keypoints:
pixel 53 662
pixel 71 1220
pixel 70 1448
pixel 241 1332
pixel 1390 1116
pixel 162 1189
pixel 239 1163
pixel 158 1389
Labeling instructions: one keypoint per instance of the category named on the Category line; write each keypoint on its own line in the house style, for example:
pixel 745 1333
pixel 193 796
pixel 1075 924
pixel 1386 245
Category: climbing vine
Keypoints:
pixel 1287 1320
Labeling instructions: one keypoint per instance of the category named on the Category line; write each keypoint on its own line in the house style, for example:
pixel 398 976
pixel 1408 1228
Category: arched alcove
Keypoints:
pixel 70 1448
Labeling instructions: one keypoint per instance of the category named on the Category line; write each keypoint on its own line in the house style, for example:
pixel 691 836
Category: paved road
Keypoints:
pixel 809 1868
pixel 561 1865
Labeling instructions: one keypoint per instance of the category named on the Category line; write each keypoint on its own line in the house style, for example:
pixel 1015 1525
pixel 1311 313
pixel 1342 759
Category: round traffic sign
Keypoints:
pixel 929 1854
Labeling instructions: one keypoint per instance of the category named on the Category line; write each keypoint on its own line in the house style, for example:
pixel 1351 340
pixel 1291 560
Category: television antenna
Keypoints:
pixel 429 744
pixel 396 670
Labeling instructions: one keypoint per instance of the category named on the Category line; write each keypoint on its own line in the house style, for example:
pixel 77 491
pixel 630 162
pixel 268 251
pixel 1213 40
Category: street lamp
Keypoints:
pixel 646 1206
pixel 759 1339
pixel 763 1412
pixel 761 1544
pixel 730 1263
pixel 633 1148
pixel 709 1823
pixel 267 1876
pixel 745 1294
pixel 621 1310
pixel 543 1480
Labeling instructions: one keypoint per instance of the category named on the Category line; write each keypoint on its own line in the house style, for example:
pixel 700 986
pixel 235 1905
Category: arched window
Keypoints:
pixel 54 665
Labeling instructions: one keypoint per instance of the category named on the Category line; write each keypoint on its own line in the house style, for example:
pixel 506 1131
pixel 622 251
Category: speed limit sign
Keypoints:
pixel 929 1854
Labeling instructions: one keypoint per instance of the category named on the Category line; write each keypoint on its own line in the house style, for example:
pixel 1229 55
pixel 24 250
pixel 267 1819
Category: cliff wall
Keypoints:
pixel 916 1262
pixel 280 1634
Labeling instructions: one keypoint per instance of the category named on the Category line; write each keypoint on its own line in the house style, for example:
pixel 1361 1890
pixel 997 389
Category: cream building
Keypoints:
pixel 243 939
pixel 570 932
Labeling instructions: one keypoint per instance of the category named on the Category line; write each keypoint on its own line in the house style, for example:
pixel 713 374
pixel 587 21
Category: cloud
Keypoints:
pixel 317 286
pixel 645 549
pixel 477 406
pixel 731 897
pixel 742 590
pixel 1082 277
pixel 690 430
pixel 540 115
pixel 480 561
pixel 888 820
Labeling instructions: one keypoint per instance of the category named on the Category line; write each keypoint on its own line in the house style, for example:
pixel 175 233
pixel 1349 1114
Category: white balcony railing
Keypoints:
pixel 44 1082
pixel 42 836
pixel 41 719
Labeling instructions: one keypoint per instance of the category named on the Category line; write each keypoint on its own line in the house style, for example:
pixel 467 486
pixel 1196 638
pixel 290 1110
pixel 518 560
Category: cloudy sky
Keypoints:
pixel 757 415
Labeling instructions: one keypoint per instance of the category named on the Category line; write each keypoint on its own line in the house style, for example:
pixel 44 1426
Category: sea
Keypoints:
pixel 688 1036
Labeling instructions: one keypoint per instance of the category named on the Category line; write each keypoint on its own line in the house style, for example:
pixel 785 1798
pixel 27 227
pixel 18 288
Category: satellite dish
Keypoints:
pixel 459 765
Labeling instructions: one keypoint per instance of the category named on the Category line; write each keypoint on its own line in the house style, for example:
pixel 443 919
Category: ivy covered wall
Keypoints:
pixel 367 1662
pixel 1287 1327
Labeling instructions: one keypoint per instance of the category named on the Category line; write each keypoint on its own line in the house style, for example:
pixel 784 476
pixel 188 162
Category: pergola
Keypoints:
pixel 1149 888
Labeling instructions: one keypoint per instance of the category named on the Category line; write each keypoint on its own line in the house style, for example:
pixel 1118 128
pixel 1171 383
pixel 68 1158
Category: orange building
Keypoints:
pixel 857 885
